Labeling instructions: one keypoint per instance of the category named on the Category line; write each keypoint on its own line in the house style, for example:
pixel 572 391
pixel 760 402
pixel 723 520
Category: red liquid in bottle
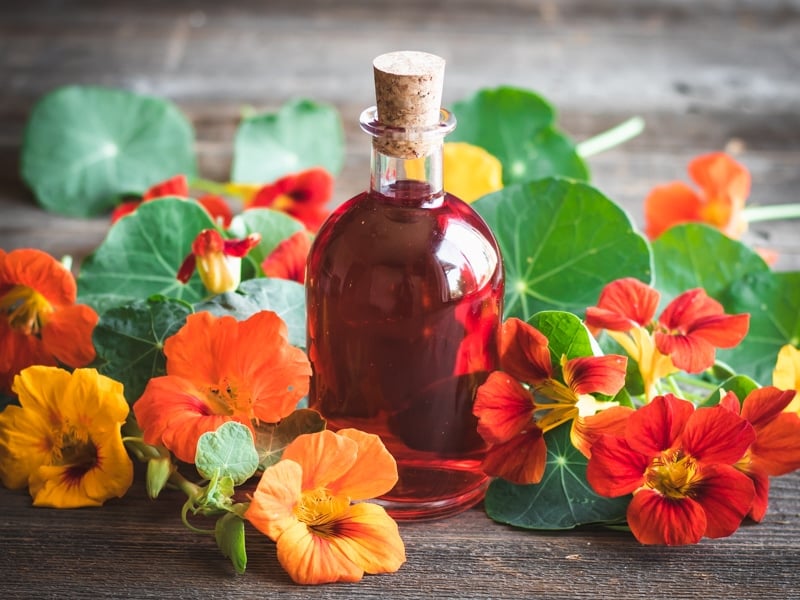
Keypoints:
pixel 404 296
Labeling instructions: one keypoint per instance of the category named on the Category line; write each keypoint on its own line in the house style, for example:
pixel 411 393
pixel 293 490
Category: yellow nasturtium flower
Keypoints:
pixel 786 375
pixel 470 171
pixel 63 442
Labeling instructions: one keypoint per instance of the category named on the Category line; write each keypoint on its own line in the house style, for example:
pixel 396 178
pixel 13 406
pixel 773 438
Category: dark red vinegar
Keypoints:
pixel 404 297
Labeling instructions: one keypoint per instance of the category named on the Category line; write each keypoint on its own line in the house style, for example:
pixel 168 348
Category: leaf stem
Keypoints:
pixel 613 137
pixel 754 214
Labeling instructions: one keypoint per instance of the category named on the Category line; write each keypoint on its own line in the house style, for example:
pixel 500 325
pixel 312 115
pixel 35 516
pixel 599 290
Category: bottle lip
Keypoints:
pixel 371 125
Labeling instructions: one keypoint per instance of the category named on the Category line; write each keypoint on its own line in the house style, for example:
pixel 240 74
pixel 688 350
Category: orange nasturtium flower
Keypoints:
pixel 40 324
pixel 724 187
pixel 679 464
pixel 302 195
pixel 310 504
pixel 288 259
pixel 218 261
pixel 776 450
pixel 64 439
pixel 786 375
pixel 220 369
pixel 685 336
pixel 216 206
pixel 513 422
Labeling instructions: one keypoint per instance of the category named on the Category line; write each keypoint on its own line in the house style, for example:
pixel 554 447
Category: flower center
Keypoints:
pixel 26 308
pixel 77 452
pixel 321 511
pixel 673 474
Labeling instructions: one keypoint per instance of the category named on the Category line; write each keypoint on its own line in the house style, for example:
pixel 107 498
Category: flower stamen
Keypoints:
pixel 26 308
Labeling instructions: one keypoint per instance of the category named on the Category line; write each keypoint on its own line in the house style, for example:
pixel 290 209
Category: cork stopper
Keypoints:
pixel 408 94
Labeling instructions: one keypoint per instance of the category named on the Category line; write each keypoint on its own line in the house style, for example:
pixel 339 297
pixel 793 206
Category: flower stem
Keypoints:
pixel 613 137
pixel 754 214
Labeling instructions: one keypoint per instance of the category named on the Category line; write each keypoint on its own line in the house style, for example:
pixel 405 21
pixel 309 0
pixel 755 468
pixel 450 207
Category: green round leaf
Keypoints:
pixel 682 257
pixel 301 135
pixel 129 340
pixel 86 146
pixel 773 302
pixel 562 500
pixel 517 126
pixel 274 227
pixel 284 297
pixel 227 452
pixel 562 242
pixel 142 253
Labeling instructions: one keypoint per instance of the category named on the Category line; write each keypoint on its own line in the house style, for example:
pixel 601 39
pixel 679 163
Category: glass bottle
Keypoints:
pixel 404 293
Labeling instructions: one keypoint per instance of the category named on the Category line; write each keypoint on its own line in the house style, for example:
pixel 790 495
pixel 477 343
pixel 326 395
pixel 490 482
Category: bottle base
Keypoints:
pixel 426 492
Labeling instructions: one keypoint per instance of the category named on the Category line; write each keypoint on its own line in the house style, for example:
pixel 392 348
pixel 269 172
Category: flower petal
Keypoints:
pixel 470 171
pixel 760 481
pixel 716 435
pixel 67 335
pixel 656 426
pixel 370 538
pixel 288 259
pixel 689 353
pixel 786 375
pixel 174 186
pixel 622 304
pixel 615 469
pixel 172 412
pixel 373 473
pixel 524 352
pixel 668 205
pixel 726 186
pixel 596 374
pixel 271 510
pixel 522 459
pixel 504 408
pixel 726 496
pixel 656 519
pixel 324 457
pixel 587 430
pixel 762 405
pixel 41 272
pixel 310 559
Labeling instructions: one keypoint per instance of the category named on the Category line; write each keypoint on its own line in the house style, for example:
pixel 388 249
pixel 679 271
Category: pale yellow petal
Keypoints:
pixel 271 510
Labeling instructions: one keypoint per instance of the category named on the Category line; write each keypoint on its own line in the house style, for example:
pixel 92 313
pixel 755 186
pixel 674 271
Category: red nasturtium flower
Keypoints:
pixel 309 503
pixel 178 186
pixel 63 441
pixel 288 259
pixel 302 195
pixel 776 449
pixel 678 462
pixel 684 336
pixel 513 423
pixel 218 261
pixel 220 369
pixel 40 324
pixel 724 187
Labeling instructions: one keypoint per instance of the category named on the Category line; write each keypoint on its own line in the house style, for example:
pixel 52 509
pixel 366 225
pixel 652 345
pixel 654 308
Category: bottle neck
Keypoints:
pixel 406 164
pixel 409 181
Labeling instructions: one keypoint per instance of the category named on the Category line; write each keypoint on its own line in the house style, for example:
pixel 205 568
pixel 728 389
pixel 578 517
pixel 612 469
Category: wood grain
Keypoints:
pixel 704 75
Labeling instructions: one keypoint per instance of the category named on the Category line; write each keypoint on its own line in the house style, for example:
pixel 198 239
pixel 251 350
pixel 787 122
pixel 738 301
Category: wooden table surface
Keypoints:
pixel 705 76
